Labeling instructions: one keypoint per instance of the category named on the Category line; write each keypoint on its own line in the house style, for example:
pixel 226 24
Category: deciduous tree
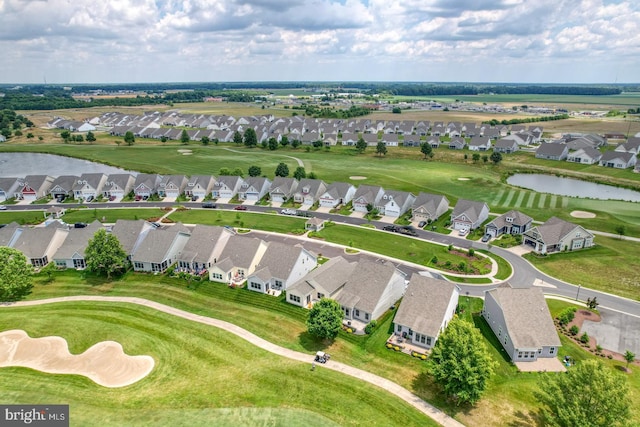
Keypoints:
pixel 361 145
pixel 250 138
pixel 496 157
pixel 325 319
pixel 426 149
pixel 104 254
pixel 237 137
pixel 381 149
pixel 254 170
pixel 588 395
pixel 299 173
pixel 629 357
pixel 184 137
pixel 15 275
pixel 129 138
pixel 282 170
pixel 205 140
pixel 272 143
pixel 90 137
pixel 460 362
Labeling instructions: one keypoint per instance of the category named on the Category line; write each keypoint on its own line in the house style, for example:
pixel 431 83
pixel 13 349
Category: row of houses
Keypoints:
pixel 586 150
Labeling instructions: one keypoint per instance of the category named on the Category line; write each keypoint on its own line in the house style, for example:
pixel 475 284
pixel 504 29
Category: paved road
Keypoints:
pixel 524 275
pixel 390 386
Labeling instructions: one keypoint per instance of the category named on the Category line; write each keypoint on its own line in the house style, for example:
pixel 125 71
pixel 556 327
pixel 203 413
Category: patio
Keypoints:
pixel 542 364
pixel 406 345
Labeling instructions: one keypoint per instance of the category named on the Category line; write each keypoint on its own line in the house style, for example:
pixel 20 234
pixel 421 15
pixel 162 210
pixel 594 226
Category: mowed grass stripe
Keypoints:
pixel 543 198
pixel 496 201
pixel 553 202
pixel 507 201
pixel 521 195
pixel 565 202
pixel 531 199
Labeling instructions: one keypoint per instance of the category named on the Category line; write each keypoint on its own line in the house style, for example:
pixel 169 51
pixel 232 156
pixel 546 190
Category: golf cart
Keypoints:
pixel 322 357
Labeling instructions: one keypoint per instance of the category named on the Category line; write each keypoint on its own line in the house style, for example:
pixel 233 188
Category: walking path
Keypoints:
pixel 390 386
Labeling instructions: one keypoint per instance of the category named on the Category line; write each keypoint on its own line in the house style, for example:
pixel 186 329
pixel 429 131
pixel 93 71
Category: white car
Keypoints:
pixel 3 208
pixel 463 232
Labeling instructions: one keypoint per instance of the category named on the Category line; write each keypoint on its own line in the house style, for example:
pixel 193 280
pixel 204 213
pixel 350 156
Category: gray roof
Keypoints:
pixel 9 185
pixel 33 242
pixel 91 179
pixel 203 180
pixel 470 208
pixel 551 149
pixel 156 244
pixel 119 180
pixel 399 197
pixel 429 202
pixel 177 181
pixel 240 251
pixel 614 155
pixel 518 219
pixel 370 193
pixel 552 231
pixel 202 243
pixel 338 190
pixel 366 285
pixel 7 233
pixel 527 317
pixel 230 181
pixel 77 240
pixel 505 143
pixel 255 182
pixel 283 185
pixel 65 182
pixel 479 141
pixel 315 186
pixel 149 180
pixel 280 259
pixel 424 304
pixel 331 276
pixel 128 232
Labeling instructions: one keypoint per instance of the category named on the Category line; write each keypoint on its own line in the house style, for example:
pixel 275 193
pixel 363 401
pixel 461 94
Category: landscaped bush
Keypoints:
pixel 370 327
pixel 567 315
pixel 574 330
pixel 396 348
pixel 389 345
pixel 584 338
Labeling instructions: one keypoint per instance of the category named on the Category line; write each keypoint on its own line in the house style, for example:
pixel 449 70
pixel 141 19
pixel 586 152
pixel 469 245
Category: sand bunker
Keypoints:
pixel 357 177
pixel 582 214
pixel 104 363
pixel 184 151
pixel 464 179
pixel 187 154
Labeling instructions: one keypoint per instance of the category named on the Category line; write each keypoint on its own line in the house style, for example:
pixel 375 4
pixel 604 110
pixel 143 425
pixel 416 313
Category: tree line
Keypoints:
pixel 495 122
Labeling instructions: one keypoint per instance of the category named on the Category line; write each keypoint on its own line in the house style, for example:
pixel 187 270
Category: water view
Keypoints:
pixel 572 187
pixel 19 165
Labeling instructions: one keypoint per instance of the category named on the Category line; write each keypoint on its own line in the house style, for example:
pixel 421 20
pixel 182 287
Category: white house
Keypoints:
pixel 469 214
pixel 337 193
pixel 238 260
pixel 281 266
pixel 395 203
pixel 160 248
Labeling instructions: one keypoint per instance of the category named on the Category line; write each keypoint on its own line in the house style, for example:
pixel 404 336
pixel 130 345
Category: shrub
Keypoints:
pixel 610 356
pixel 450 248
pixel 389 345
pixel 434 260
pixel 567 315
pixel 349 330
pixel 423 357
pixel 584 338
pixel 574 330
pixel 370 327
pixel 471 252
pixel 396 348
pixel 598 348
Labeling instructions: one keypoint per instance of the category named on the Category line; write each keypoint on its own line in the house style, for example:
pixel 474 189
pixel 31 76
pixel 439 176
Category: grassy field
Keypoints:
pixel 200 371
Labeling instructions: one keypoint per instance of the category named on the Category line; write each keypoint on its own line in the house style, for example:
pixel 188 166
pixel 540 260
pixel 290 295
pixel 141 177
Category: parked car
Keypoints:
pixel 3 208
pixel 138 198
pixel 422 224
pixel 80 225
pixel 156 224
pixel 209 205
pixel 463 231
pixel 194 198
pixel 393 228
pixel 408 231
pixel 112 198
pixel 60 198
pixel 289 212
pixel 90 199
pixel 240 208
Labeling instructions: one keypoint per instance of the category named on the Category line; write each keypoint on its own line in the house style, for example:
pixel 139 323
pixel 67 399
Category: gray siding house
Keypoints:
pixel 326 281
pixel 429 207
pixel 469 214
pixel 512 222
pixel 557 235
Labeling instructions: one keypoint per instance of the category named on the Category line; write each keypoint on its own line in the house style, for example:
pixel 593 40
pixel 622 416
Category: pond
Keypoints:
pixel 19 165
pixel 572 187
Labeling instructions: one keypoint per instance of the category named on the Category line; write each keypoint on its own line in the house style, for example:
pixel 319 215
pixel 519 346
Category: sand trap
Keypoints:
pixel 357 177
pixel 187 154
pixel 464 179
pixel 582 214
pixel 104 363
pixel 183 151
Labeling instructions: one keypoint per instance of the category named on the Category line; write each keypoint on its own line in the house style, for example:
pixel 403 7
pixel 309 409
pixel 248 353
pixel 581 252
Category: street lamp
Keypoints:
pixel 578 293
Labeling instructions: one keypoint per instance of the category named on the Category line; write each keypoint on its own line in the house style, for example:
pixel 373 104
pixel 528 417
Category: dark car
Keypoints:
pixel 390 228
pixel 486 237
pixel 240 208
pixel 209 205
pixel 194 198
pixel 80 225
pixel 422 224
pixel 112 198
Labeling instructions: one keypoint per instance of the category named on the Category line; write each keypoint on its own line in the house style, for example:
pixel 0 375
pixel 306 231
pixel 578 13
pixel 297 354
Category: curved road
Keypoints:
pixel 383 383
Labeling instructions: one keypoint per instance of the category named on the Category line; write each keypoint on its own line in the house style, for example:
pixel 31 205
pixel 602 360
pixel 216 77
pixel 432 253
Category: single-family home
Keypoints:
pixel 254 188
pixel 337 193
pixel 506 146
pixel 434 141
pixel 309 191
pixel 238 260
pixel 469 214
pixel 491 132
pixel 118 185
pixel 8 188
pixel 371 139
pixel 160 248
pixel 172 186
pixel 199 186
pixel 480 143
pixel 282 189
pixel 586 155
pixel 130 233
pixel 411 140
pixel 10 233
pixel 395 203
pixel 71 254
pixel 512 222
pixel 457 143
pixel 349 139
pixel 631 146
pixel 203 248
pixel 429 207
pixel 371 289
pixel 520 138
pixel 390 139
pixel 520 319
pixel 618 160
pixel 425 311
pixel 557 235
pixel 63 186
pixel 146 184
pixel 552 151
pixel 39 244
pixel 367 195
pixel 323 282
pixel 89 185
pixel 281 266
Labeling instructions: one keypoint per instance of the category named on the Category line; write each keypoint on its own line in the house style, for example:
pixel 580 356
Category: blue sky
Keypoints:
pixel 541 41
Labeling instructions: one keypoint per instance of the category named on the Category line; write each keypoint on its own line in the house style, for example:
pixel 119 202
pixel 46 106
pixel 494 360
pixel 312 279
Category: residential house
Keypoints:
pixel 326 281
pixel 434 141
pixel 314 224
pixel 631 146
pixel 469 214
pixel 8 188
pixel 371 139
pixel 426 309
pixel 226 186
pixel 203 248
pixel 367 195
pixel 63 186
pixel 199 186
pixel 349 138
pixel 395 203
pixel 552 151
pixel 337 193
pixel 39 244
pixel 118 185
pixel 557 235
pixel 480 143
pixel 618 160
pixel 10 233
pixel 89 185
pixel 490 132
pixel 429 207
pixel 281 266
pixel 390 140
pixel 71 253
pixel 254 188
pixel 457 143
pixel 506 146
pixel 371 289
pixel 520 319
pixel 411 140
pixel 282 189
pixel 238 260
pixel 146 184
pixel 160 248
pixel 587 156
pixel 130 233
pixel 172 186
pixel 520 138
pixel 512 222
pixel 309 191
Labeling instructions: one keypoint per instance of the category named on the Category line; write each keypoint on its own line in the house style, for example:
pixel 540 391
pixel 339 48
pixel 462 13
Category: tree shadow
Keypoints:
pixel 312 343
pixel 484 327
pixel 425 387
pixel 526 419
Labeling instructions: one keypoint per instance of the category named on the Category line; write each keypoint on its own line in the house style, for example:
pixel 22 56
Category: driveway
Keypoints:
pixel 616 331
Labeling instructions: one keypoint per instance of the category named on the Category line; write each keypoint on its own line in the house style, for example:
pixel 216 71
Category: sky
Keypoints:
pixel 117 41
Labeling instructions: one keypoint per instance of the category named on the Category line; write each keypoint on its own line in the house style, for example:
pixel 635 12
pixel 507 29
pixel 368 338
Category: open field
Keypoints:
pixel 198 369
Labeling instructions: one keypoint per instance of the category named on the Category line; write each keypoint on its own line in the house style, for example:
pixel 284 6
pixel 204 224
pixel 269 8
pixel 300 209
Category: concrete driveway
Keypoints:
pixel 616 331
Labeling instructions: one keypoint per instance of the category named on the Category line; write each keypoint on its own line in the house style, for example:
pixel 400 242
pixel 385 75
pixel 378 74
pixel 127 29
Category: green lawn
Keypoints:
pixel 276 223
pixel 201 372
pixel 610 266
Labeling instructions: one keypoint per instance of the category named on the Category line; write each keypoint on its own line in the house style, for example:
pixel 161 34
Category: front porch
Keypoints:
pixel 406 346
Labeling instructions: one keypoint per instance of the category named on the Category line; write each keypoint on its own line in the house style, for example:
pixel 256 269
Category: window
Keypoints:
pixel 217 276
pixel 410 332
pixel 429 341
pixel 258 286
pixel 366 316
pixel 423 339
pixel 294 298
pixel 357 313
pixel 552 350
pixel 278 284
pixel 399 328
pixel 79 263
pixel 138 265
pixel 320 295
pixel 505 340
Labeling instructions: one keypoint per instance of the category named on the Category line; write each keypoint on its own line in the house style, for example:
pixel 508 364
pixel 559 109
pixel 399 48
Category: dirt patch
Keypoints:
pixel 582 214
pixel 105 363
pixel 357 177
